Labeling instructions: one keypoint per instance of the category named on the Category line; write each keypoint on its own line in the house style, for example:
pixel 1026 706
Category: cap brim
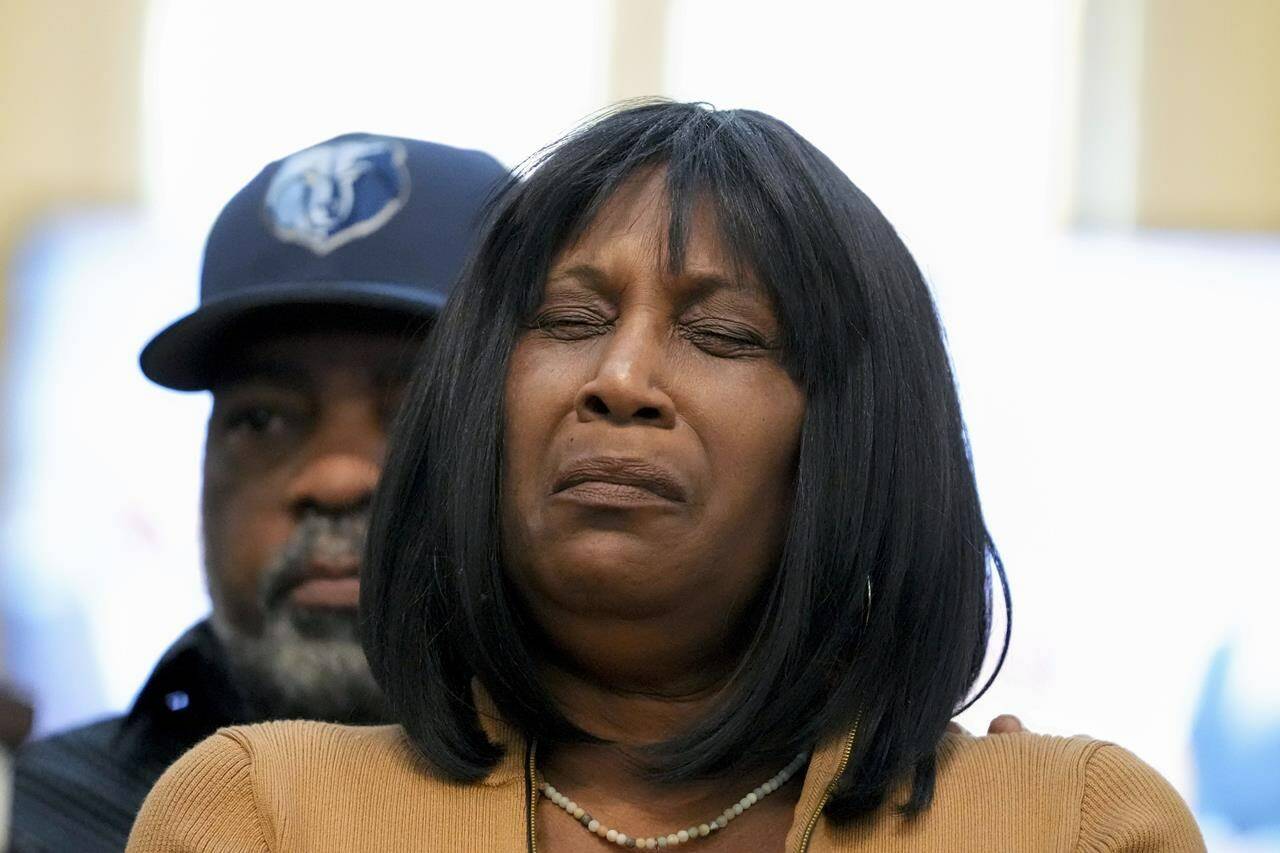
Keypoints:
pixel 182 356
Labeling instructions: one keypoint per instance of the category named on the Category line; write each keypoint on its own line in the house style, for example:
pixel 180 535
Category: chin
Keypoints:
pixel 306 665
pixel 601 576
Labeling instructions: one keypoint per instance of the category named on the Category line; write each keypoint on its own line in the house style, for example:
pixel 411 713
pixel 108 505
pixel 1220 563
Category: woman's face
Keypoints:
pixel 651 439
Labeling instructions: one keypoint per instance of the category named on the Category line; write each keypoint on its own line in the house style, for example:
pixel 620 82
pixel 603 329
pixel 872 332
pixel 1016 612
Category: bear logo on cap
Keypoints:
pixel 327 196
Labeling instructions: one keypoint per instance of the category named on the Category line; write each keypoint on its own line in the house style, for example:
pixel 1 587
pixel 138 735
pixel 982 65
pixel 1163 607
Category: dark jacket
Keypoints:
pixel 78 792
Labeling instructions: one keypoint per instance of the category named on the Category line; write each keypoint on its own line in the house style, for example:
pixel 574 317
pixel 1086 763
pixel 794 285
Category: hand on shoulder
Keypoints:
pixel 1005 724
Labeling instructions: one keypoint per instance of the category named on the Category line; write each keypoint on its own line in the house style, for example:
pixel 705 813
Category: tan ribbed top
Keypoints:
pixel 318 787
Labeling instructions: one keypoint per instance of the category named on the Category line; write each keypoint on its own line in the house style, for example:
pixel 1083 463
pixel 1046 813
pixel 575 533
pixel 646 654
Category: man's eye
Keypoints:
pixel 259 420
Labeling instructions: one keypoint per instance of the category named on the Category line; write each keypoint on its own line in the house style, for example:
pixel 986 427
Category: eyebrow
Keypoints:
pixel 702 282
pixel 387 373
pixel 707 282
pixel 585 273
pixel 263 371
pixel 395 370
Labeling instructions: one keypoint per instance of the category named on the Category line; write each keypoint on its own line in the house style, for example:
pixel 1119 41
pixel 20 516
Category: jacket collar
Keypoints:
pixel 191 687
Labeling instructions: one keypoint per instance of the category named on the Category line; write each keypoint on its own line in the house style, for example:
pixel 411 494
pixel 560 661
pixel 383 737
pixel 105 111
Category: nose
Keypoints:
pixel 341 469
pixel 626 386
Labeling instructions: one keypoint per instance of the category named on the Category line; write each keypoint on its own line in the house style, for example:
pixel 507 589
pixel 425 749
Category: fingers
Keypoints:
pixel 1005 724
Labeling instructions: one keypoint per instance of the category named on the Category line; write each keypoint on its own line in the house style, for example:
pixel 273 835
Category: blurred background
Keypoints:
pixel 1091 186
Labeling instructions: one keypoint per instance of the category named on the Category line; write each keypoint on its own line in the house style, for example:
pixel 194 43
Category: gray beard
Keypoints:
pixel 305 663
pixel 286 673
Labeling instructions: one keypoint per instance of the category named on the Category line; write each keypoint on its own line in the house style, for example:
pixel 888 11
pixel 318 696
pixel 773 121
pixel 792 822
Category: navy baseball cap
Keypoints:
pixel 360 222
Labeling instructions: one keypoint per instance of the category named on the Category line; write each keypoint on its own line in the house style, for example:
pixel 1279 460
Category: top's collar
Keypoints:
pixel 511 766
pixel 826 764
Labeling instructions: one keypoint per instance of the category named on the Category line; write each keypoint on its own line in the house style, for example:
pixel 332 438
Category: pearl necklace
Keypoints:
pixel 656 842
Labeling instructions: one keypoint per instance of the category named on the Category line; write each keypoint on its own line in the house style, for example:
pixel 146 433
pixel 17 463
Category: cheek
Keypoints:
pixel 538 396
pixel 755 445
pixel 246 525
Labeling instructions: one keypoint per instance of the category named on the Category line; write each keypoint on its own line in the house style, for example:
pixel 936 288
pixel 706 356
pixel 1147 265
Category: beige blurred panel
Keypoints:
pixel 70 97
pixel 1210 149
pixel 69 107
pixel 1107 116
pixel 638 51
pixel 1178 119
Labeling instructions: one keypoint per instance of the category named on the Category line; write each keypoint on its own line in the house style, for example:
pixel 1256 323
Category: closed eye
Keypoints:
pixel 725 339
pixel 571 324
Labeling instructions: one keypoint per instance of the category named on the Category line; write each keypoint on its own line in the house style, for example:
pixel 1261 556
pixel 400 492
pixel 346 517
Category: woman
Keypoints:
pixel 678 543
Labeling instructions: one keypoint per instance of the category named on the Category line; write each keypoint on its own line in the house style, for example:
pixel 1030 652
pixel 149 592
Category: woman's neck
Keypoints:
pixel 631 715
pixel 610 778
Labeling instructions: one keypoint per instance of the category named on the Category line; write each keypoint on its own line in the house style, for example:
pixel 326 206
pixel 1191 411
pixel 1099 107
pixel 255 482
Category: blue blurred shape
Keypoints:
pixel 1236 743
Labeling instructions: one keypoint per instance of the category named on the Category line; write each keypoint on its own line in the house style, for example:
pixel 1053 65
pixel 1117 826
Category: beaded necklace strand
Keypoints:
pixel 692 833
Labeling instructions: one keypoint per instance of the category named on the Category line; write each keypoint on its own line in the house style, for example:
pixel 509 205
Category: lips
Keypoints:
pixel 624 473
pixel 323 583
pixel 337 593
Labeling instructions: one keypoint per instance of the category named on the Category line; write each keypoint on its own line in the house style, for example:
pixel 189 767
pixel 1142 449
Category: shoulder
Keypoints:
pixel 1015 757
pixel 301 785
pixel 293 756
pixel 1104 795
pixel 207 795
pixel 240 784
pixel 306 743
pixel 92 738
pixel 1079 761
pixel 76 790
pixel 1127 805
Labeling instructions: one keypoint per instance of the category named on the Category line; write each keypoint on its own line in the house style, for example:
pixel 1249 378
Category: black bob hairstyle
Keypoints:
pixel 884 495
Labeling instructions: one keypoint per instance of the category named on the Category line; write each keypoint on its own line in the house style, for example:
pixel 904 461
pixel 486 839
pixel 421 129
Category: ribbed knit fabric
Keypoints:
pixel 1026 792
pixel 317 787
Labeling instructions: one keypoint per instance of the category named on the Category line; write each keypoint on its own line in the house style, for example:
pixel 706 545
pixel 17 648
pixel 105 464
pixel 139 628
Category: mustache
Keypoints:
pixel 319 538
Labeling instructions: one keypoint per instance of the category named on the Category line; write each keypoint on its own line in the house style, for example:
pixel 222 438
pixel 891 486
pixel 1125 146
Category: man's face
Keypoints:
pixel 294 449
